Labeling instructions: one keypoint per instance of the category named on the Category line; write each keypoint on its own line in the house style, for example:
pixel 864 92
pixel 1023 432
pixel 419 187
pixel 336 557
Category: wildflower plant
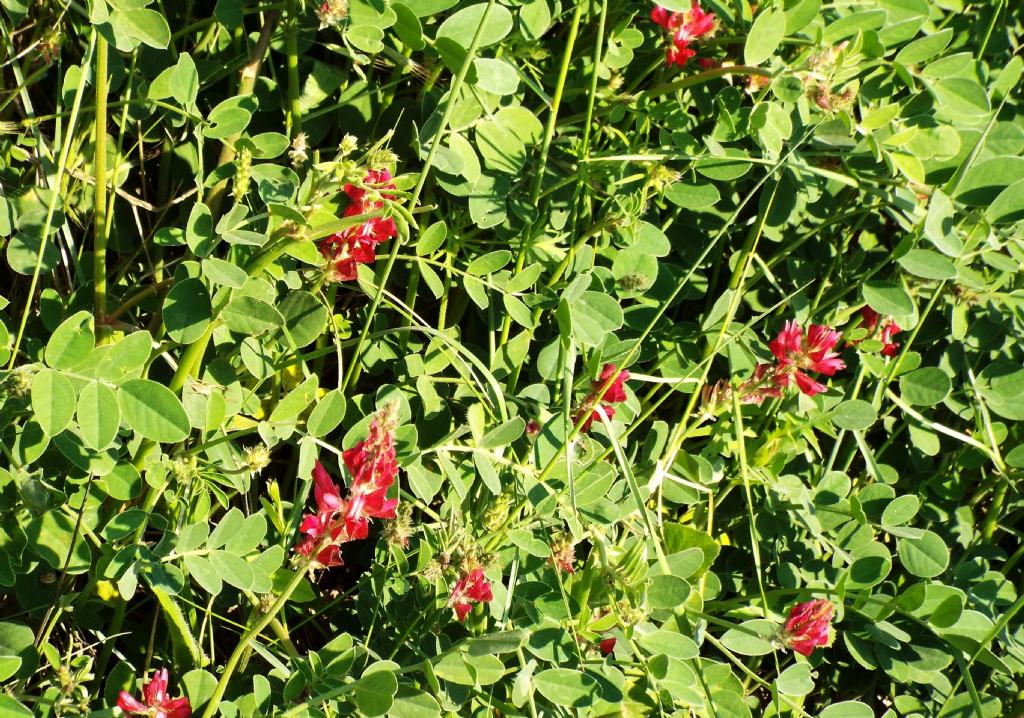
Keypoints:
pixel 511 357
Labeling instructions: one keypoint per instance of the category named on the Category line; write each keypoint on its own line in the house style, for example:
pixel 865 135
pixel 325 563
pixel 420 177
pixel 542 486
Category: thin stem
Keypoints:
pixel 291 44
pixel 246 640
pixel 99 223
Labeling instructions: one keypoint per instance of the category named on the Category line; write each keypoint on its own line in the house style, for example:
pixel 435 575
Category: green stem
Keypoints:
pixel 246 640
pixel 55 197
pixel 291 44
pixel 99 223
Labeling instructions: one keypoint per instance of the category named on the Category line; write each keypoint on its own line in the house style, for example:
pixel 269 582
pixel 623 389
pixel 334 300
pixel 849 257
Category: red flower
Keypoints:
pixel 593 416
pixel 328 495
pixel 764 384
pixel 615 393
pixel 808 626
pixel 607 645
pixel 889 347
pixel 471 588
pixel 316 529
pixel 345 250
pixel 869 322
pixel 797 354
pixel 663 17
pixel 358 245
pixel 155 702
pixel 685 27
pixel 373 467
pixel 616 390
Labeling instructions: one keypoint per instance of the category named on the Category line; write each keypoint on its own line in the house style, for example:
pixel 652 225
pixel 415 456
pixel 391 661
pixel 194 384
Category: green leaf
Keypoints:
pixel 202 571
pixel 888 299
pixel 566 687
pixel 432 238
pixel 408 28
pixel 924 48
pixel 98 415
pixel 187 311
pixel 854 415
pixel 53 537
pixel 928 264
pixel 669 592
pixel 901 510
pixel 925 387
pixel 147 26
pixel 986 180
pixel 184 81
pixel 295 401
pixel 53 400
pixel 1008 207
pixel 199 230
pixel 669 643
pixel 765 36
pixel 751 638
pixel 251 316
pixel 847 709
pixel 375 690
pixel 153 411
pixel 122 483
pixel 795 680
pixel 961 97
pixel 504 434
pixel 501 149
pixel 224 273
pixel 410 703
pixel 72 342
pixel 693 196
pixel 489 263
pixel 594 316
pixel 462 26
pixel 126 358
pixel 926 556
pixel 496 76
pixel 305 317
pixel 327 414
pixel 496 643
pixel 232 569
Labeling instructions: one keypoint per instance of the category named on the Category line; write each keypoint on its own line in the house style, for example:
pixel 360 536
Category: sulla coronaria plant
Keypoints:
pixel 511 358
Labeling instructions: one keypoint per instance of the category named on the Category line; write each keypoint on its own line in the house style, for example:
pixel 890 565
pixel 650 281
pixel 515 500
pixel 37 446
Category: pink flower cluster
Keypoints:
pixel 685 27
pixel 358 245
pixel 472 588
pixel 155 702
pixel 616 393
pixel 797 354
pixel 808 626
pixel 869 322
pixel 373 468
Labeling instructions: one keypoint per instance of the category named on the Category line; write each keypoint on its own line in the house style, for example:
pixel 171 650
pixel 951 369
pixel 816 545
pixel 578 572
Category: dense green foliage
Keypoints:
pixel 246 236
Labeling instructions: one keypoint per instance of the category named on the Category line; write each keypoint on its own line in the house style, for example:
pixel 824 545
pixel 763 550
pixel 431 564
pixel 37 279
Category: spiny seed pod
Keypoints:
pixel 381 158
pixel 297 154
pixel 243 169
pixel 497 512
pixel 257 458
pixel 349 144
pixel 629 565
